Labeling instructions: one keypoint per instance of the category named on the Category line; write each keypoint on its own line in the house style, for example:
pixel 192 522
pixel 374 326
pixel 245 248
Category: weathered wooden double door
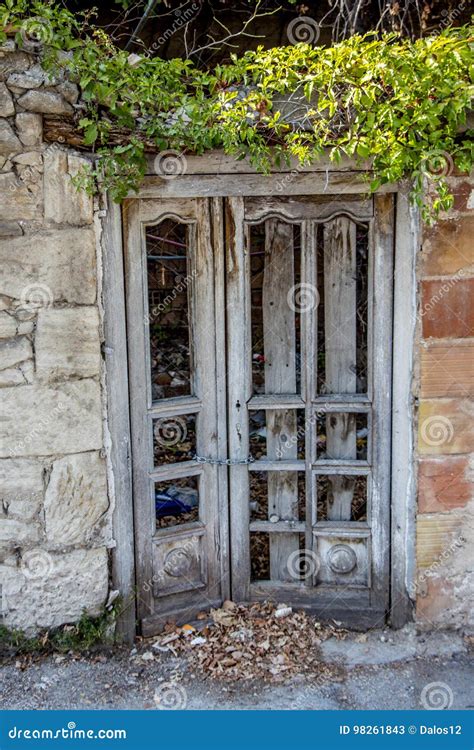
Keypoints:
pixel 259 337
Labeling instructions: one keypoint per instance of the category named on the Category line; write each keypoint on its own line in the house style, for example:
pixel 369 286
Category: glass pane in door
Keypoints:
pixel 168 308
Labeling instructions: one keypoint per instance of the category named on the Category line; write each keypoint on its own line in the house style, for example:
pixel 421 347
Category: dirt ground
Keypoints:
pixel 395 670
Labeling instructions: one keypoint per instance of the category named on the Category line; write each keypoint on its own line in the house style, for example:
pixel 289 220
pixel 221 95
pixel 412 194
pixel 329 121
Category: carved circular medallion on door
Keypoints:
pixel 341 558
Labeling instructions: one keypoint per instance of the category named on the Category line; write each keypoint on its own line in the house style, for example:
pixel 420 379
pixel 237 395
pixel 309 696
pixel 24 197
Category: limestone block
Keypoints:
pixel 17 533
pixel 8 45
pixel 29 128
pixel 40 421
pixel 15 351
pixel 21 487
pixel 54 589
pixel 29 159
pixel 11 326
pixel 8 325
pixel 25 324
pixel 20 201
pixel 47 102
pixel 58 263
pixel 67 343
pixel 20 375
pixel 31 79
pixel 9 143
pixel 76 501
pixel 13 62
pixel 10 229
pixel 69 91
pixel 7 108
pixel 63 202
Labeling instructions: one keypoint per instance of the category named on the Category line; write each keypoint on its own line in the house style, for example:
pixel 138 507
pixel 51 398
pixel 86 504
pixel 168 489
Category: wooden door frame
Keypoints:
pixel 216 175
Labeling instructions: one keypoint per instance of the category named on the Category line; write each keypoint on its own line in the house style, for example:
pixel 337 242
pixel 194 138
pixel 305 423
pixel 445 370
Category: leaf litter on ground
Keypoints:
pixel 253 641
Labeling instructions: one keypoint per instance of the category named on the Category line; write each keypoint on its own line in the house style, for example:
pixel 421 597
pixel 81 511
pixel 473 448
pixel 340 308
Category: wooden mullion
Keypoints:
pixel 275 401
pixel 341 468
pixel 173 407
pixel 336 463
pixel 359 406
pixel 239 347
pixel 382 245
pixel 222 541
pixel 343 528
pixel 279 527
pixel 309 352
pixel 267 464
pixel 142 450
pixel 176 471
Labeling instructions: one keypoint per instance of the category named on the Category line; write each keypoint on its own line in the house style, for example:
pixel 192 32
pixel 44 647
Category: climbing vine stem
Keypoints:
pixel 401 104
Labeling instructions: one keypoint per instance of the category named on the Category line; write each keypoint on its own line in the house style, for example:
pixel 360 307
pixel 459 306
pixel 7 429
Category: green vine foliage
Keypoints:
pixel 401 104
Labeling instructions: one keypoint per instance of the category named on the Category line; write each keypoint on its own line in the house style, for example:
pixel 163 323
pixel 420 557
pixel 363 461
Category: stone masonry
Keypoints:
pixel 445 521
pixel 55 526
pixel 55 504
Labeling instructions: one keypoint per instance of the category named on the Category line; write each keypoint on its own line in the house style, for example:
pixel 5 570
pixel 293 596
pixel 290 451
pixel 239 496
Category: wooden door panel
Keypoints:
pixel 170 261
pixel 340 551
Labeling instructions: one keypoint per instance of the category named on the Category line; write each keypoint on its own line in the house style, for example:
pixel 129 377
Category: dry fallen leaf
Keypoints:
pixel 248 642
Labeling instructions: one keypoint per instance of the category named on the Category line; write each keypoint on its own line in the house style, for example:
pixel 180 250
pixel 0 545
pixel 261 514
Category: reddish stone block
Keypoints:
pixel 462 189
pixel 448 247
pixel 444 484
pixel 447 308
pixel 447 369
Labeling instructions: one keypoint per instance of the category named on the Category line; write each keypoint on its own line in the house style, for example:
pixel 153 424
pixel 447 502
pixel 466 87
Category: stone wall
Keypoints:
pixel 55 506
pixel 445 521
pixel 54 510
